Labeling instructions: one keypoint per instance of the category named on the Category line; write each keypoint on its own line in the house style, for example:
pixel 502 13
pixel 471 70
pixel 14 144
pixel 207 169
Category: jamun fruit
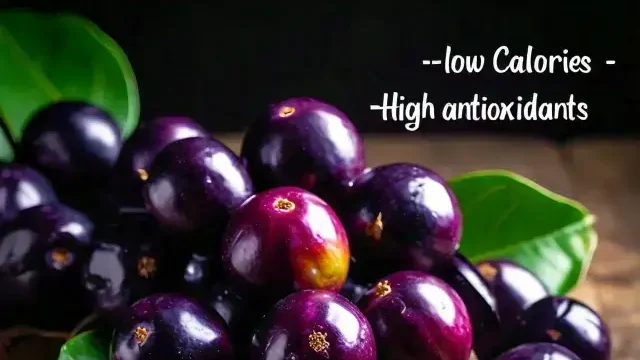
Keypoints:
pixel 305 143
pixel 314 324
pixel 416 316
pixel 195 183
pixel 514 288
pixel 42 254
pixel 141 148
pixel 567 322
pixel 286 239
pixel 400 215
pixel 465 279
pixel 539 351
pixel 171 327
pixel 72 143
pixel 22 187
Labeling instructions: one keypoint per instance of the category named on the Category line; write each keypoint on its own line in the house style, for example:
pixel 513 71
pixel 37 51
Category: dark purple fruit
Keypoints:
pixel 465 279
pixel 305 143
pixel 400 216
pixel 417 316
pixel 314 324
pixel 72 143
pixel 128 265
pixel 514 288
pixel 195 183
pixel 286 239
pixel 171 327
pixel 539 351
pixel 147 141
pixel 22 187
pixel 567 322
pixel 42 254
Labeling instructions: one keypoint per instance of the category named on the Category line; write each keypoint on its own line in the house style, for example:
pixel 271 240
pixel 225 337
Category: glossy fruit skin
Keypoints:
pixel 481 306
pixel 298 239
pixel 195 183
pixel 22 188
pixel 133 260
pixel 567 322
pixel 417 316
pixel 42 252
pixel 171 327
pixel 141 148
pixel 514 288
pixel 306 143
pixel 539 351
pixel 314 324
pixel 71 142
pixel 401 216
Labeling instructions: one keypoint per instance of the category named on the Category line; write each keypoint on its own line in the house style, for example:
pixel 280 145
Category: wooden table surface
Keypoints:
pixel 601 173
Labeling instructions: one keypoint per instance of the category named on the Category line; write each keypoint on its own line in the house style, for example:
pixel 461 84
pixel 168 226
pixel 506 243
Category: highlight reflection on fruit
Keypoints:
pixel 400 216
pixel 514 288
pixel 286 239
pixel 195 183
pixel 44 250
pixel 22 187
pixel 539 351
pixel 306 143
pixel 314 324
pixel 168 326
pixel 141 148
pixel 417 316
pixel 466 280
pixel 567 322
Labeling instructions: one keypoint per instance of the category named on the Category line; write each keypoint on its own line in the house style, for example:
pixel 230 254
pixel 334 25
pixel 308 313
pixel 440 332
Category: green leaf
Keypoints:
pixel 85 346
pixel 45 58
pixel 506 216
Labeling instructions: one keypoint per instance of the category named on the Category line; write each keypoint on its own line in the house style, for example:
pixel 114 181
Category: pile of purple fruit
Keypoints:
pixel 294 250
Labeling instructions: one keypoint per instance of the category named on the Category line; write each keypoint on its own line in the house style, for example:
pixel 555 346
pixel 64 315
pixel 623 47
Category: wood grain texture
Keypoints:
pixel 602 174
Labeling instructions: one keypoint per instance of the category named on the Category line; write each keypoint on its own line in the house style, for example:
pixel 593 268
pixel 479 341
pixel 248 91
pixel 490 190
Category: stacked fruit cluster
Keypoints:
pixel 294 250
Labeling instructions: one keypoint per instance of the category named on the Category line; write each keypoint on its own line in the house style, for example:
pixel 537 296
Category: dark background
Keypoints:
pixel 219 65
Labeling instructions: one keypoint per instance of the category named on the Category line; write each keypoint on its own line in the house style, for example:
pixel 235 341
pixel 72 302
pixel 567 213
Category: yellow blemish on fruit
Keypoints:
pixel 554 334
pixel 318 342
pixel 374 228
pixel 325 270
pixel 60 257
pixel 144 175
pixel 141 334
pixel 383 288
pixel 487 271
pixel 146 266
pixel 284 205
pixel 286 111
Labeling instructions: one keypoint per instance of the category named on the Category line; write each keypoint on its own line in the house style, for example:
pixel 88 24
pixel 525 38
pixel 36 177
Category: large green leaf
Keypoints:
pixel 85 346
pixel 50 57
pixel 507 216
